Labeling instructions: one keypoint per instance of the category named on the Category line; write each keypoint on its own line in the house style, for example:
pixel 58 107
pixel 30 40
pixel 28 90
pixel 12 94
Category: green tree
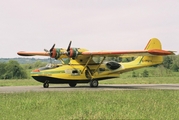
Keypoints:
pixel 38 64
pixel 2 70
pixel 174 67
pixel 167 62
pixel 171 62
pixel 128 59
pixel 14 71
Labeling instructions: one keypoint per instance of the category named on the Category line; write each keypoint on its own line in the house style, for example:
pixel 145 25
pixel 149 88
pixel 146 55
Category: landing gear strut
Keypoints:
pixel 46 84
pixel 94 83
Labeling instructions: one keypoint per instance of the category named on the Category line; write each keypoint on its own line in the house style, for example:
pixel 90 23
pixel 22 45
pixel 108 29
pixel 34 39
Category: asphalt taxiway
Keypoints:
pixel 15 89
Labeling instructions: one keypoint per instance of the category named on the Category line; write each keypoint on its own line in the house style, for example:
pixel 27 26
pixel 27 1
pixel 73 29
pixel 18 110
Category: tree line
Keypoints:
pixel 13 70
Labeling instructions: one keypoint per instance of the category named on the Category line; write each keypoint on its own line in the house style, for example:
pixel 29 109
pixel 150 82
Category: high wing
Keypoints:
pixel 24 53
pixel 152 52
pixel 83 57
pixel 153 48
pixel 106 53
pixel 53 53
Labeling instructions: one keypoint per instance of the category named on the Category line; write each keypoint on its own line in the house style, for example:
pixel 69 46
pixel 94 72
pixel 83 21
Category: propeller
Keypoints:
pixel 46 50
pixel 50 52
pixel 68 49
pixel 71 52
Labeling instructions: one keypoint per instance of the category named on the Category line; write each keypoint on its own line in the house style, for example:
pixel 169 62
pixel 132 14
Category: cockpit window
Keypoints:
pixel 49 66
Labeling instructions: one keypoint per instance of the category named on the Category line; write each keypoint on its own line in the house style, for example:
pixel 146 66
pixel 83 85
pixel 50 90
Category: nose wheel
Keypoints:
pixel 46 84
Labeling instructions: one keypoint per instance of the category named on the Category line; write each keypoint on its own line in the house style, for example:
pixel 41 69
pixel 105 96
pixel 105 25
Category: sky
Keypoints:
pixel 32 25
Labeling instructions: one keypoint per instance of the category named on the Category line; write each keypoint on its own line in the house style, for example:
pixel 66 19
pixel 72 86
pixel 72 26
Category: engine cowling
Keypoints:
pixel 55 53
pixel 73 53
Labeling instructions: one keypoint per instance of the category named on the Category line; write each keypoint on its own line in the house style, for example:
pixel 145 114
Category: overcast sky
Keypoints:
pixel 32 25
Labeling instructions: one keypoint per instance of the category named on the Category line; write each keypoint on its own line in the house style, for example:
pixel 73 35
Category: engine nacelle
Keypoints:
pixel 73 53
pixel 56 53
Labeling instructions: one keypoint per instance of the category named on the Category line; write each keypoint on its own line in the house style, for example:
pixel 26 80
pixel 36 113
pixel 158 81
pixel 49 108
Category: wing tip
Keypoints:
pixel 23 53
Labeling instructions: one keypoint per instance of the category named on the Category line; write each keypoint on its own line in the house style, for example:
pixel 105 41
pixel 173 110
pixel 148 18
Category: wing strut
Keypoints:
pixel 99 65
pixel 91 74
pixel 86 64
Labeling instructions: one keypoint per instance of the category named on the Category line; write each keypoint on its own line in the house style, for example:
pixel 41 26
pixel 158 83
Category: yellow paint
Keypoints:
pixel 82 66
pixel 80 63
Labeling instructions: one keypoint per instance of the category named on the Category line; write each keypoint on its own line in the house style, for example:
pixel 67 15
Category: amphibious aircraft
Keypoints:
pixel 82 68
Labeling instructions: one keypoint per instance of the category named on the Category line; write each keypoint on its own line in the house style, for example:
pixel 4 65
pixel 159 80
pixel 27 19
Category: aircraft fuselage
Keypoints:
pixel 76 73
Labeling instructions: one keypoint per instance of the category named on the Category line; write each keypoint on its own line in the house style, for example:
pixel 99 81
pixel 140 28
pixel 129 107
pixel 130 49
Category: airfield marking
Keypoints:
pixel 13 89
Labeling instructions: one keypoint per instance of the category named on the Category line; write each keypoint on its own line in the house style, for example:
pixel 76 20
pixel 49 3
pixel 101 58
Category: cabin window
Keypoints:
pixel 75 72
pixel 113 65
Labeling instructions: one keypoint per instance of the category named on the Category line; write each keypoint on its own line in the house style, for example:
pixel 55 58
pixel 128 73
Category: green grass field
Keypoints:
pixel 137 104
pixel 122 104
pixel 20 82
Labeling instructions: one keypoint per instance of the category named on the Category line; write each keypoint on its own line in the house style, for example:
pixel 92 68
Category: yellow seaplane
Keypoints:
pixel 82 68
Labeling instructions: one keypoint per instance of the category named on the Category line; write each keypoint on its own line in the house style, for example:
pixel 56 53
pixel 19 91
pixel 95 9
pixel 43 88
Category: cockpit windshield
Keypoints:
pixel 50 66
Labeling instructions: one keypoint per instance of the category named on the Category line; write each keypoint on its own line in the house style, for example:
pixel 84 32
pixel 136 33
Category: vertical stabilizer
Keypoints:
pixel 153 43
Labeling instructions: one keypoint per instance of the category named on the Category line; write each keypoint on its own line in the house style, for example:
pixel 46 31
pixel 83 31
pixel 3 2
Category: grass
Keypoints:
pixel 138 104
pixel 23 82
pixel 148 80
pixel 119 104
pixel 140 80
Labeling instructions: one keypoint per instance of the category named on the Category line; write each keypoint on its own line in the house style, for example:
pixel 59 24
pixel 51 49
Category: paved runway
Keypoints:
pixel 12 89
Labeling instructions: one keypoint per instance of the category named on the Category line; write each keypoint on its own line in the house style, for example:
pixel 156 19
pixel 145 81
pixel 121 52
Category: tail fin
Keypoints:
pixel 153 43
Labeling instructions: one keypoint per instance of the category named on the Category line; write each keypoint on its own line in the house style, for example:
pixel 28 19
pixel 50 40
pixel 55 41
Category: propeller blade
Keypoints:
pixel 69 46
pixel 46 50
pixel 52 48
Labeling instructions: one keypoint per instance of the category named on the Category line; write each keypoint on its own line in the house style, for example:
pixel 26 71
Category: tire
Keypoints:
pixel 72 84
pixel 94 83
pixel 46 84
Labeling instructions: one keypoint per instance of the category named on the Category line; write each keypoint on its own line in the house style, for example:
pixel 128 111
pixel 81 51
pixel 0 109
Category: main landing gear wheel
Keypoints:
pixel 46 84
pixel 72 84
pixel 93 83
